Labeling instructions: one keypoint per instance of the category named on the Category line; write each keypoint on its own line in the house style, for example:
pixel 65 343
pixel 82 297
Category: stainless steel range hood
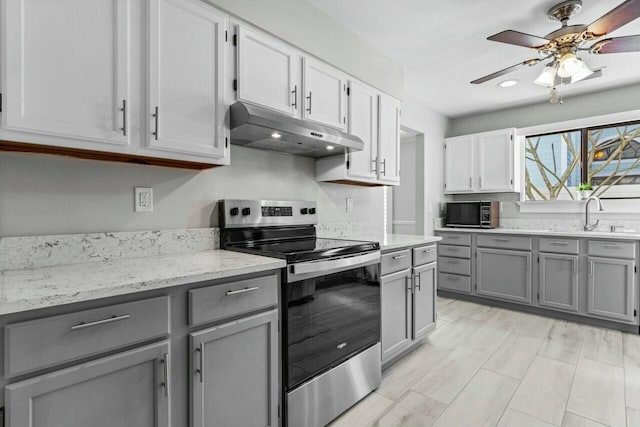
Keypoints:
pixel 259 127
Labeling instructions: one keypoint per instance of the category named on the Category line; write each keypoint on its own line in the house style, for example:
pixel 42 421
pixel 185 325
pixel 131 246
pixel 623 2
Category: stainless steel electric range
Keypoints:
pixel 330 306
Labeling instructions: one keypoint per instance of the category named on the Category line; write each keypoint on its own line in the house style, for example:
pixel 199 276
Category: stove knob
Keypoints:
pixel 312 211
pixel 246 211
pixel 234 211
pixel 304 211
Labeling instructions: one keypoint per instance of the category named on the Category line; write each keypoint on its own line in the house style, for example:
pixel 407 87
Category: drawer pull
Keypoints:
pixel 242 291
pixel 560 243
pixel 501 239
pixel 84 325
pixel 453 237
pixel 612 246
pixel 427 251
pixel 450 261
pixel 165 373
pixel 399 257
pixel 454 278
pixel 453 249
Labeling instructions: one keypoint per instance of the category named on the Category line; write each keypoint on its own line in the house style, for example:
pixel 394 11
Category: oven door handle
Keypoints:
pixel 315 267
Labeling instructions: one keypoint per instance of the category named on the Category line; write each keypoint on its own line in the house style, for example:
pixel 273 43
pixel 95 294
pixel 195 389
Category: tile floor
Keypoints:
pixel 487 366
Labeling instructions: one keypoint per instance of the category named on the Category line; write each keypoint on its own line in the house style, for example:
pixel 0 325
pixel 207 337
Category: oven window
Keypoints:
pixel 463 214
pixel 329 318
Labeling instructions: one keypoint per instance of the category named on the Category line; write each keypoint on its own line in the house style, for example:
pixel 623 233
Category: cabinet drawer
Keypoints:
pixel 456 239
pixel 454 265
pixel 395 261
pixel 611 249
pixel 48 341
pixel 455 251
pixel 452 282
pixel 424 255
pixel 505 242
pixel 559 246
pixel 231 299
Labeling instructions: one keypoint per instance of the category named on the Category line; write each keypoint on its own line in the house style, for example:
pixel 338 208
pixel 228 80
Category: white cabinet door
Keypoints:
pixel 267 72
pixel 495 161
pixel 389 142
pixel 186 70
pixel 363 123
pixel 66 68
pixel 325 90
pixel 459 164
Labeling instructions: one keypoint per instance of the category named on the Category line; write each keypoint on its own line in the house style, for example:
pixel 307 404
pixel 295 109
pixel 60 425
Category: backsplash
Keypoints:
pixel 44 251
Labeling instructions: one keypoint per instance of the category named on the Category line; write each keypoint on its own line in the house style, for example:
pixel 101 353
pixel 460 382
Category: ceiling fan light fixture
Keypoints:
pixel 568 65
pixel 547 77
pixel 582 73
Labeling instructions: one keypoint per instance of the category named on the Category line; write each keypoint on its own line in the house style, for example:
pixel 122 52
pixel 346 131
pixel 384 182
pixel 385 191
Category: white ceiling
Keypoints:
pixel 443 46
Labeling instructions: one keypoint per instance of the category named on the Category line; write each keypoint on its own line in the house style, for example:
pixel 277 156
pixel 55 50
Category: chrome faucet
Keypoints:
pixel 587 221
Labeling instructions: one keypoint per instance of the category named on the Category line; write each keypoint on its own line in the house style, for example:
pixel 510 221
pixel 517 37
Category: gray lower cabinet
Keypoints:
pixel 504 274
pixel 558 283
pixel 395 293
pixel 234 373
pixel 424 299
pixel 127 389
pixel 611 288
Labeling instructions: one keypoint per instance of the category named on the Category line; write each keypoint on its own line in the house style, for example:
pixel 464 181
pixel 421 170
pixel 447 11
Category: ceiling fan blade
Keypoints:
pixel 529 62
pixel 617 45
pixel 519 39
pixel 614 19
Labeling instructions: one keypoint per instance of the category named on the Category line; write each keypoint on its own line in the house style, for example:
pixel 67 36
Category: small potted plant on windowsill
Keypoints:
pixel 585 190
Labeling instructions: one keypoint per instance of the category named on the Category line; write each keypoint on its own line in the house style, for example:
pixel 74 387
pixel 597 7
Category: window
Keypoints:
pixel 555 163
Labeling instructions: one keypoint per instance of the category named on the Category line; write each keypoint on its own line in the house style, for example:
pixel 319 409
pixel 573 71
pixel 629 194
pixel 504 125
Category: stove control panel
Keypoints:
pixel 260 213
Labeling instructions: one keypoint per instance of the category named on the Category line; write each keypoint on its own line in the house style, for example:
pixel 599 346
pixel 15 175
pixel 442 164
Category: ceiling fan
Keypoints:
pixel 563 45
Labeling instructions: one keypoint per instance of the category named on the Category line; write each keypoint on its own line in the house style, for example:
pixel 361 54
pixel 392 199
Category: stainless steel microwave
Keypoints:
pixel 473 214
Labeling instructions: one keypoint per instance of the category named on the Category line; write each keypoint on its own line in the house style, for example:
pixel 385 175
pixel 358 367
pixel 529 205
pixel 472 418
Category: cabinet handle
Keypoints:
pixel 157 117
pixel 591 268
pixel 295 96
pixel 500 239
pixel 124 117
pixel 165 372
pixel 409 285
pixel 112 319
pixel 417 282
pixel 575 266
pixel 384 167
pixel 560 243
pixel 454 278
pixel 200 370
pixel 470 182
pixel 612 246
pixel 427 251
pixel 453 237
pixel 242 291
pixel 309 98
pixel 480 182
pixel 399 257
pixel 374 168
pixel 450 261
pixel 453 249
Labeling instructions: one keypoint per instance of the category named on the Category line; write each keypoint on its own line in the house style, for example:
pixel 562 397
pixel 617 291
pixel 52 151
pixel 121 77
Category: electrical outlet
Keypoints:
pixel 349 204
pixel 143 200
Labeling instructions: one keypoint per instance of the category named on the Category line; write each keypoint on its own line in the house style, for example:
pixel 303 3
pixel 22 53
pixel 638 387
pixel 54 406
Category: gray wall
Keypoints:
pixel 301 24
pixel 42 194
pixel 589 105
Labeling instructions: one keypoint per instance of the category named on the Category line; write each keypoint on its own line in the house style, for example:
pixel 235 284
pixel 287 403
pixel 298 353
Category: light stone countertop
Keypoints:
pixel 557 233
pixel 34 288
pixel 396 241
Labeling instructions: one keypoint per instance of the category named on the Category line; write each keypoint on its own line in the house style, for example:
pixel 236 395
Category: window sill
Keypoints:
pixel 611 206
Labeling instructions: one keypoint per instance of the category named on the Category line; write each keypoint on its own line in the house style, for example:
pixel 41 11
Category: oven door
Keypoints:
pixel 332 312
pixel 463 214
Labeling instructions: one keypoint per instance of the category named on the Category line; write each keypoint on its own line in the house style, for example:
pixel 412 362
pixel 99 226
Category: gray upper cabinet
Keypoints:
pixel 504 274
pixel 130 389
pixel 395 293
pixel 558 281
pixel 611 289
pixel 234 373
pixel 424 299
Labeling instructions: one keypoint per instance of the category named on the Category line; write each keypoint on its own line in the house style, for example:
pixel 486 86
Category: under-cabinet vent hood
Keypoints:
pixel 258 127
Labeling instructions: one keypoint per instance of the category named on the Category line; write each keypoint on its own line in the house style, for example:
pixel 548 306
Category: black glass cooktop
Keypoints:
pixel 297 250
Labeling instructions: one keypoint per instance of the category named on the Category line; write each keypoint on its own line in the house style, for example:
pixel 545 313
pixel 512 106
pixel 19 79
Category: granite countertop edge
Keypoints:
pixel 557 233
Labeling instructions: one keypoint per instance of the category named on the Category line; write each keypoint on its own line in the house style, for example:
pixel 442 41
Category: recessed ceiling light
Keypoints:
pixel 275 135
pixel 508 83
pixel 330 147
